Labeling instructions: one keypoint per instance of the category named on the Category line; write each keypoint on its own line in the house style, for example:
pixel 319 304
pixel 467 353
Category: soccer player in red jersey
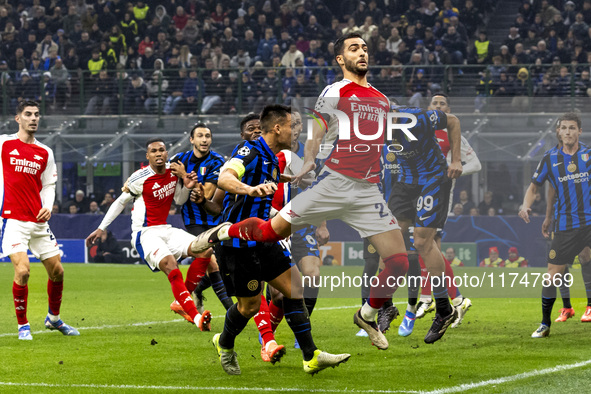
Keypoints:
pixel 153 190
pixel 348 187
pixel 28 182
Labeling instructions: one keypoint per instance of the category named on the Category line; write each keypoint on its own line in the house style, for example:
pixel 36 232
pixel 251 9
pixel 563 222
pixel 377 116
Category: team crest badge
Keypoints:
pixel 371 249
pixel 274 173
pixel 253 285
pixel 390 157
pixel 202 170
pixel 552 254
pixel 572 167
pixel 585 157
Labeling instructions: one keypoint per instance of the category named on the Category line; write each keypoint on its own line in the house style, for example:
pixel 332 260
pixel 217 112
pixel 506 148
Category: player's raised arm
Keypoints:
pixel 114 211
pixel 212 206
pixel 528 200
pixel 454 131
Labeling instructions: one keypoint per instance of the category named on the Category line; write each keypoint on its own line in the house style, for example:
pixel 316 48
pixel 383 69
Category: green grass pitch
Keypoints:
pixel 122 310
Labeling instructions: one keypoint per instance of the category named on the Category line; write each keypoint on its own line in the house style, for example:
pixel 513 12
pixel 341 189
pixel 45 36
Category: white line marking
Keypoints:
pixel 11 334
pixel 525 375
pixel 209 389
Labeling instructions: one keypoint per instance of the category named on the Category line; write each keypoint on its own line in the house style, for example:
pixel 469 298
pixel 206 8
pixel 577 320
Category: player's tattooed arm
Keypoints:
pixel 528 200
pixel 550 200
pixel 454 169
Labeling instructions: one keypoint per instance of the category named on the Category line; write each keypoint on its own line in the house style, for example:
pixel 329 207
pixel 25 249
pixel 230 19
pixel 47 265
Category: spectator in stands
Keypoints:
pixel 418 89
pixel 107 201
pixel 107 249
pixel 521 25
pixel 289 59
pixel 393 42
pixel 72 209
pixel 441 53
pixel 430 14
pixel 465 200
pixel 304 88
pixel 219 57
pixel 454 44
pixel 61 79
pixel 265 47
pixel 474 212
pixel 482 51
pixel 191 89
pixel 505 55
pixel 448 11
pixel 527 11
pixel 563 83
pixel 579 27
pixel 156 86
pixel 269 88
pixel 514 260
pixel 538 208
pixel 538 25
pixel 512 39
pixel 487 203
pixel 450 255
pixel 214 88
pixel 543 53
pixel 136 94
pixel 102 91
pixel 80 202
pixel 548 12
pixel 55 209
pixel 383 57
pixel 587 11
pixel 492 212
pixel 493 260
pixel 530 42
pixel 367 28
pixel 25 89
pixel 288 82
pixel 93 209
pixel 458 210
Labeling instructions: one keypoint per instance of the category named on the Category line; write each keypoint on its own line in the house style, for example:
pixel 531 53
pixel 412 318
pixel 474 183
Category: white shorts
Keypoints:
pixel 19 236
pixel 156 242
pixel 359 204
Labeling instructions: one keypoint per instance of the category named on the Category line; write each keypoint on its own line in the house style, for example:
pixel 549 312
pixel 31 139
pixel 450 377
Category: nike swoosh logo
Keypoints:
pixel 423 218
pixel 266 162
pixel 555 164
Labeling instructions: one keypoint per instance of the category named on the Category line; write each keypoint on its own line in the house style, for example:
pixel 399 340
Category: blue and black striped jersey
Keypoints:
pixel 422 160
pixel 207 169
pixel 391 173
pixel 261 166
pixel 569 176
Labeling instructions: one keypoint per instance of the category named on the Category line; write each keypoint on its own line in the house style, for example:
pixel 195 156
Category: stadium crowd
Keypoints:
pixel 224 56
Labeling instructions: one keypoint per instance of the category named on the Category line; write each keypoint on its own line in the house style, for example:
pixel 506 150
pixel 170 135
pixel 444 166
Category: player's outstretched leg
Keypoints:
pixel 210 237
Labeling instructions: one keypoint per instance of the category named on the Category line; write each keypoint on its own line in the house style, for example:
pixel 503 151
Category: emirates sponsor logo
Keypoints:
pixel 161 192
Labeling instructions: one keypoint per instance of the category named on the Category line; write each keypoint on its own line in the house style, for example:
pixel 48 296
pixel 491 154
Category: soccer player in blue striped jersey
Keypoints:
pixel 421 198
pixel 249 179
pixel 567 169
pixel 206 164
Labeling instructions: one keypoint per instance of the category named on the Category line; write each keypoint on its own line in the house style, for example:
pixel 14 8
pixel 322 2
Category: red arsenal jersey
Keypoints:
pixel 358 155
pixel 26 168
pixel 154 194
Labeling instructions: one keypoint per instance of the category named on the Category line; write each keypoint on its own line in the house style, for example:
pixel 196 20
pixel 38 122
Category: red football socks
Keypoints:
pixel 395 267
pixel 20 294
pixel 254 229
pixel 263 322
pixel 196 271
pixel 54 291
pixel 276 313
pixel 181 294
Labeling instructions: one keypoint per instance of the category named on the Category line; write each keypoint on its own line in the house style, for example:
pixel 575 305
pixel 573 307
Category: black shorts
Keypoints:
pixel 196 229
pixel 566 245
pixel 424 205
pixel 303 243
pixel 244 268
